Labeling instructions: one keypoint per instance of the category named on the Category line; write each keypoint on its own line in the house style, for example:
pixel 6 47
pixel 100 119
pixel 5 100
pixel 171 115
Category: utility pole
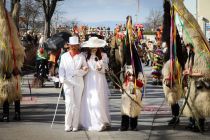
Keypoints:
pixel 137 12
pixel 196 9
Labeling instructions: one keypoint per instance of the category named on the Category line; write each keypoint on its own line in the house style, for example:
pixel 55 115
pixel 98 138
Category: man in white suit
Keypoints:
pixel 73 67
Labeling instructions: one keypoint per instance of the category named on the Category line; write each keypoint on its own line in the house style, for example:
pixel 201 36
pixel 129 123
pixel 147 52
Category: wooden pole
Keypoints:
pixel 4 3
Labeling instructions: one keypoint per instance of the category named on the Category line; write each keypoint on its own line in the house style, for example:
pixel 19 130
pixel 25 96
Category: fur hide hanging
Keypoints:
pixel 172 94
pixel 11 56
pixel 199 100
pixel 10 89
pixel 132 105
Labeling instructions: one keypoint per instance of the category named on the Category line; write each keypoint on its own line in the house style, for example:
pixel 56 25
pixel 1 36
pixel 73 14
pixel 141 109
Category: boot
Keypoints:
pixel 62 94
pixel 5 116
pixel 201 123
pixel 124 123
pixel 133 123
pixel 174 120
pixel 159 82
pixel 175 114
pixel 17 116
pixel 191 124
pixel 17 111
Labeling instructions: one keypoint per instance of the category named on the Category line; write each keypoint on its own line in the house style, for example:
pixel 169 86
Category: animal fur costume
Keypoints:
pixel 172 91
pixel 199 98
pixel 174 63
pixel 131 97
pixel 131 106
pixel 11 57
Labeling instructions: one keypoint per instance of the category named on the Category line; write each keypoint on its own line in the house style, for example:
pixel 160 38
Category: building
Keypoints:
pixel 200 9
pixel 203 16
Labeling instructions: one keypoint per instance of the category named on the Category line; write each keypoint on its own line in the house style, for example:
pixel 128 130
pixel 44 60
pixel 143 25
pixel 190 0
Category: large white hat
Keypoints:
pixel 74 40
pixel 94 42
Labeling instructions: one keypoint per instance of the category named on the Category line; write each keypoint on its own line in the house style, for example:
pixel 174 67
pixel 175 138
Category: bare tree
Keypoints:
pixel 154 19
pixel 49 8
pixel 31 11
pixel 57 19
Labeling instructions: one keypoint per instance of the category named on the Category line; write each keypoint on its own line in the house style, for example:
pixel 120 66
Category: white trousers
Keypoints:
pixel 73 97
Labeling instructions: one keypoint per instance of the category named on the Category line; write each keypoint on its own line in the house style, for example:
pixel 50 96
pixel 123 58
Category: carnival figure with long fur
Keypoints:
pixel 131 104
pixel 174 60
pixel 197 68
pixel 11 60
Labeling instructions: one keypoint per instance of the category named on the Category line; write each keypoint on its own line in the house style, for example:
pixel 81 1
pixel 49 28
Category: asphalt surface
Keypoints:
pixel 37 110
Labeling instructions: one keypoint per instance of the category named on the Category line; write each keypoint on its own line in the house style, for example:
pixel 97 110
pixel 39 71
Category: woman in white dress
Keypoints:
pixel 94 107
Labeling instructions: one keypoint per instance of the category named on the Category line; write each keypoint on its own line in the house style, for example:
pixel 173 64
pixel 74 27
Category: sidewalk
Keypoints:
pixel 37 115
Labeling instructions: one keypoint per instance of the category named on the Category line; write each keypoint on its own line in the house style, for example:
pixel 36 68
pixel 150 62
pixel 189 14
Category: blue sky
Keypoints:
pixel 98 12
pixel 108 10
pixel 89 11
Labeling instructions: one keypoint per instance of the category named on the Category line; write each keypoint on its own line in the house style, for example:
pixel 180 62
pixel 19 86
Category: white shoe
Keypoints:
pixel 74 129
pixel 102 128
pixel 68 129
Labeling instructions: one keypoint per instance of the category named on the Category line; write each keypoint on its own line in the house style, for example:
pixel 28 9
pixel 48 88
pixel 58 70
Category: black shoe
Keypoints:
pixel 5 118
pixel 173 121
pixel 123 129
pixel 201 125
pixel 159 82
pixel 154 82
pixel 56 84
pixel 190 126
pixel 17 116
pixel 134 129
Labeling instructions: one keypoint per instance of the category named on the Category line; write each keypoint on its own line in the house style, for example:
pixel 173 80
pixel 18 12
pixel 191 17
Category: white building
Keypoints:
pixel 200 9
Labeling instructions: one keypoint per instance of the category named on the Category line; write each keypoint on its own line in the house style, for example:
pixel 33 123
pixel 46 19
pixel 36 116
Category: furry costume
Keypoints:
pixel 131 100
pixel 129 107
pixel 199 98
pixel 174 62
pixel 172 94
pixel 133 81
pixel 131 103
pixel 11 57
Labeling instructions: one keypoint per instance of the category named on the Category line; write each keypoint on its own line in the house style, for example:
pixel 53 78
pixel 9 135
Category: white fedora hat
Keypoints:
pixel 74 40
pixel 94 42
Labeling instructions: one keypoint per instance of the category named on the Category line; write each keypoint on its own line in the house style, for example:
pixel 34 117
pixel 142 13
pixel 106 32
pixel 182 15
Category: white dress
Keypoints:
pixel 94 106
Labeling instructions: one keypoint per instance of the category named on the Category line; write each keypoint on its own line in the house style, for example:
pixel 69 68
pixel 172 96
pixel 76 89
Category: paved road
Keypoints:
pixel 37 114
